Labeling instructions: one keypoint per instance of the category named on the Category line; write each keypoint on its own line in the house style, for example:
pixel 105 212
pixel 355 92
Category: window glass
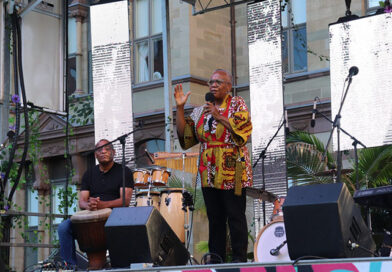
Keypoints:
pixel 141 18
pixel 71 35
pixel 56 201
pixel 285 53
pixel 285 22
pixel 32 206
pixel 299 11
pixel 158 59
pixel 141 60
pixel 300 50
pixel 373 3
pixel 156 24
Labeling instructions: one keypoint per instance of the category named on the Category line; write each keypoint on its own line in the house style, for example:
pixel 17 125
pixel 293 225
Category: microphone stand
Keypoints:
pixel 262 156
pixel 355 144
pixel 336 124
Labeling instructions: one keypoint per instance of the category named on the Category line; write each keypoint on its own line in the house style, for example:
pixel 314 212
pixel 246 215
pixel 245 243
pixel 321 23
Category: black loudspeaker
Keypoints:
pixel 141 235
pixel 321 220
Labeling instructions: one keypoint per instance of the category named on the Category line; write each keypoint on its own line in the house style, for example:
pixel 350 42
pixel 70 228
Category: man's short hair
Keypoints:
pixel 106 140
pixel 220 70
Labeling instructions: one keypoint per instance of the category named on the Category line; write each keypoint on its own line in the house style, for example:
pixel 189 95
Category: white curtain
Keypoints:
pixel 141 18
pixel 142 62
pixel 156 17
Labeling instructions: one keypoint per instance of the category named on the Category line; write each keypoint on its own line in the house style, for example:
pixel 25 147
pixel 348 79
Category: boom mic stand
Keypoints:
pixel 262 156
pixel 336 124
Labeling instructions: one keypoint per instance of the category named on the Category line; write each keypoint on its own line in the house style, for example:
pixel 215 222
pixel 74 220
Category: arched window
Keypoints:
pixel 149 145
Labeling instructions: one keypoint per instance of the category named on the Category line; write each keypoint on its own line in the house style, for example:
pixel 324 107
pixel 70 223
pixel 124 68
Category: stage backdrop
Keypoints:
pixel 367 112
pixel 266 99
pixel 111 62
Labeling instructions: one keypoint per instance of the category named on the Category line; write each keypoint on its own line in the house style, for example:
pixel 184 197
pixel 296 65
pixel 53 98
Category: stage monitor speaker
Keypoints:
pixel 142 235
pixel 321 220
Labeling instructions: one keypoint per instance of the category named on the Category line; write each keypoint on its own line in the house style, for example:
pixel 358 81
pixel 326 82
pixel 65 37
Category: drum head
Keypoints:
pixel 87 216
pixel 269 238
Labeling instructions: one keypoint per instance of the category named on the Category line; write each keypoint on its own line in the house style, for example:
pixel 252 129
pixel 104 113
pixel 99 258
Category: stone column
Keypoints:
pixel 78 9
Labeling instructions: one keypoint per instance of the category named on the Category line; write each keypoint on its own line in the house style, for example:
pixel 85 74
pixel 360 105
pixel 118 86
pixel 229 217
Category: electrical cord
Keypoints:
pixel 306 257
pixel 353 246
pixel 25 109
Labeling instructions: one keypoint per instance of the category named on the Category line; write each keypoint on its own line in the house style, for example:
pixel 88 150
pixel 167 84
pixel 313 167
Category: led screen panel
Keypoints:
pixel 367 44
pixel 111 62
pixel 266 98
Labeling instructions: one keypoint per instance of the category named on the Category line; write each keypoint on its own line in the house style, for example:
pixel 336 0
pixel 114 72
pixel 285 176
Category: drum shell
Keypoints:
pixel 171 210
pixel 141 177
pixel 142 199
pixel 160 176
pixel 89 230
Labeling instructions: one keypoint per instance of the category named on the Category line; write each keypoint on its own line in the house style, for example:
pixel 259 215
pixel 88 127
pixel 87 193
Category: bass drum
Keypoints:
pixel 269 238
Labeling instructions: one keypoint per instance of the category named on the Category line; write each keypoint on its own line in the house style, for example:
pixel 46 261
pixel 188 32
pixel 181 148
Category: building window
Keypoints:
pixel 294 42
pixel 71 80
pixel 372 6
pixel 147 36
pixel 151 146
pixel 32 205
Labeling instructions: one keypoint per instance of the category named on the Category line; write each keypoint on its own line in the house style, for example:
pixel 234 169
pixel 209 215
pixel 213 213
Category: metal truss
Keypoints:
pixel 203 6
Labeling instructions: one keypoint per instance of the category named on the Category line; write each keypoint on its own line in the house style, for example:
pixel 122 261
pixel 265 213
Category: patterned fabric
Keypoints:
pixel 223 157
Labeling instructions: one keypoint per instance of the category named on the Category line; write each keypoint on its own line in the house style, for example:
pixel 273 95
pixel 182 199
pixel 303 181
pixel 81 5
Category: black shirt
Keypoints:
pixel 106 185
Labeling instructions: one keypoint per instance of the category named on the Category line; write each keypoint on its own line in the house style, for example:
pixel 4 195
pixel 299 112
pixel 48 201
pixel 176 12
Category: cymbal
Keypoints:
pixel 260 194
pixel 333 172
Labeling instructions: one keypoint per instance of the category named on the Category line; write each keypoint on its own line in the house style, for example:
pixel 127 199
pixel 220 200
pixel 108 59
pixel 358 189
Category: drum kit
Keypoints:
pixel 270 245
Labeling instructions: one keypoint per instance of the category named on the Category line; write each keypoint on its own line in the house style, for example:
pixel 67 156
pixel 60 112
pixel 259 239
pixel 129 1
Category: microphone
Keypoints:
pixel 210 98
pixel 313 122
pixel 149 156
pixel 353 71
pixel 276 251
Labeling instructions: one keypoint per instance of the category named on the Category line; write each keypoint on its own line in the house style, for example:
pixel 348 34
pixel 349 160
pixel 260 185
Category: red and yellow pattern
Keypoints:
pixel 224 158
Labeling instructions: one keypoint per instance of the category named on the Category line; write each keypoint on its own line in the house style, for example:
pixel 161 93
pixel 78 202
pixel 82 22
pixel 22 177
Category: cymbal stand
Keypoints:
pixel 186 215
pixel 262 156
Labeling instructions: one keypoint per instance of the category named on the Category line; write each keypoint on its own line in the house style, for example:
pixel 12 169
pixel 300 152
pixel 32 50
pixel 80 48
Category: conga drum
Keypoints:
pixel 171 210
pixel 142 199
pixel 89 229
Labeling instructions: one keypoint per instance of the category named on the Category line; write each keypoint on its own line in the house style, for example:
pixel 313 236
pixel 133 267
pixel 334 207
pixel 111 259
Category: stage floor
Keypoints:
pixel 383 264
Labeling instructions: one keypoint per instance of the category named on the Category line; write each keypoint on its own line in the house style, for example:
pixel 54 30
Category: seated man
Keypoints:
pixel 101 188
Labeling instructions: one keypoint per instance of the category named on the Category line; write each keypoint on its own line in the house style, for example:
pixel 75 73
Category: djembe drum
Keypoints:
pixel 89 230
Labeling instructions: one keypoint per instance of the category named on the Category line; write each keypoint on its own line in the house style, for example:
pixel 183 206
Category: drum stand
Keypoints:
pixel 186 216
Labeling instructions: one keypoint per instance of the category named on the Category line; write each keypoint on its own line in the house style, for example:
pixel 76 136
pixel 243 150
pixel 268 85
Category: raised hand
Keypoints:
pixel 179 95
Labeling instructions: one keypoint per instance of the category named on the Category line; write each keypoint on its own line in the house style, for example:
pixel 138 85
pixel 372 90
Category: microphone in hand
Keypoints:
pixel 210 98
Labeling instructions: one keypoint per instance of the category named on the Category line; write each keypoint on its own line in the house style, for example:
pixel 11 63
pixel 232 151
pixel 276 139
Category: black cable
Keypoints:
pixel 25 109
pixel 67 152
pixel 17 113
pixel 306 257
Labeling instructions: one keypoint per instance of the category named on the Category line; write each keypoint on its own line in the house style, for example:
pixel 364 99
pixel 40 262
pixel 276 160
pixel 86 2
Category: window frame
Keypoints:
pixel 150 43
pixel 290 30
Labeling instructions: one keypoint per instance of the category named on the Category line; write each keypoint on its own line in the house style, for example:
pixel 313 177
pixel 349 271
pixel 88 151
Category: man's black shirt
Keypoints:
pixel 106 185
